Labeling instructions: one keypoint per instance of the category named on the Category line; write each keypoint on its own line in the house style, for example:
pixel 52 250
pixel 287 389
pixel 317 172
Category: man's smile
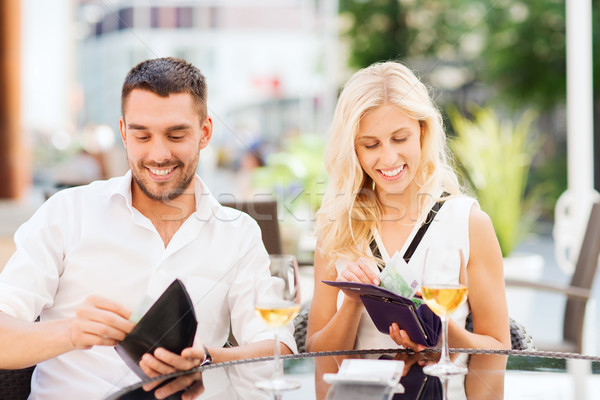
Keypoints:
pixel 160 173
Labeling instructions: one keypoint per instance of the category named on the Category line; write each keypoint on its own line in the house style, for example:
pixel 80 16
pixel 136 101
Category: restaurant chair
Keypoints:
pixel 520 339
pixel 577 292
pixel 264 213
pixel 15 384
pixel 301 327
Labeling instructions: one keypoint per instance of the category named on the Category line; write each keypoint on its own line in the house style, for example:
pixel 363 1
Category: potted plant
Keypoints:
pixel 494 157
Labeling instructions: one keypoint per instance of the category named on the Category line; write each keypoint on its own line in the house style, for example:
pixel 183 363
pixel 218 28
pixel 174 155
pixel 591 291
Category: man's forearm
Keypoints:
pixel 252 350
pixel 23 344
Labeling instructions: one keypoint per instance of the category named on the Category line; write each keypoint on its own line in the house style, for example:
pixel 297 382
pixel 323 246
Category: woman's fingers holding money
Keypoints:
pixel 360 271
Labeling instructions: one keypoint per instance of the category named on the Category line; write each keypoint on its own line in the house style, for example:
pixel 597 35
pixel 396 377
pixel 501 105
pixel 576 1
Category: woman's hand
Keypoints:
pixel 361 271
pixel 401 337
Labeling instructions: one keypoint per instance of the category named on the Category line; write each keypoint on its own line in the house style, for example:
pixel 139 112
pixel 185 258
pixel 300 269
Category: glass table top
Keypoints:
pixel 509 374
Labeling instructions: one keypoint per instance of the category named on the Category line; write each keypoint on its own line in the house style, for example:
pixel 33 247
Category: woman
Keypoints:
pixel 387 164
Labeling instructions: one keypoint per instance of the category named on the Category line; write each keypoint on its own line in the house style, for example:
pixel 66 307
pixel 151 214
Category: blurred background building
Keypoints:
pixel 271 68
pixel 265 61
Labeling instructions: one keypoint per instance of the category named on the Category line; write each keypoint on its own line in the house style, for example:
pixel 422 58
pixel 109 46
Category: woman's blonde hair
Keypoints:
pixel 350 209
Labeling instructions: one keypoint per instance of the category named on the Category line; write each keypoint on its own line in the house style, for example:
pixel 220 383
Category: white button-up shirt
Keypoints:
pixel 90 240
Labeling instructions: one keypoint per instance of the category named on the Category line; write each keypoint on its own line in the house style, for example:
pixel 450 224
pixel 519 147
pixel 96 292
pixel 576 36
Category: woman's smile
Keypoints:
pixel 392 173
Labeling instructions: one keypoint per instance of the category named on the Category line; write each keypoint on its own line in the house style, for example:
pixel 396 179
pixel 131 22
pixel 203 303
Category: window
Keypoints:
pixel 125 18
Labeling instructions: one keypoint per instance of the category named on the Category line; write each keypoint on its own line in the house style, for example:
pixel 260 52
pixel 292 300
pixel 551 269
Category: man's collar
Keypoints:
pixel 122 188
pixel 206 204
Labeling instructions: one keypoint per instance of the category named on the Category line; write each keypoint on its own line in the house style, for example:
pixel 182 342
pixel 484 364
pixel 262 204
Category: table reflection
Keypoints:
pixel 510 374
pixel 485 379
pixel 215 382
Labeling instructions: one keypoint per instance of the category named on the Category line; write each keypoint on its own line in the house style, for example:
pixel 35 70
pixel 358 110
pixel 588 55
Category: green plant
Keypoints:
pixel 295 174
pixel 494 157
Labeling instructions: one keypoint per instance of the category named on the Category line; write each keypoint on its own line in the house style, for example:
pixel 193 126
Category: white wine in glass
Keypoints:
pixel 444 288
pixel 445 299
pixel 277 315
pixel 277 302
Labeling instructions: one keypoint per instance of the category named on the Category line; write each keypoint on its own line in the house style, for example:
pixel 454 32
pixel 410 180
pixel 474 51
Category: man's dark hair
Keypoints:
pixel 165 76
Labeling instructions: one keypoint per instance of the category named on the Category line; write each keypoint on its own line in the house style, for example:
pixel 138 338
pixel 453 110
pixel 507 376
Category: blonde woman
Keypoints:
pixel 388 164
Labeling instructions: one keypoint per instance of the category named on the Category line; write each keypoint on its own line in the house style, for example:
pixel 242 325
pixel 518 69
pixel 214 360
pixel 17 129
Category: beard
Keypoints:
pixel 179 185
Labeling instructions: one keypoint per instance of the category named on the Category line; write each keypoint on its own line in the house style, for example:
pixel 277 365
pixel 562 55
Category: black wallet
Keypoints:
pixel 385 307
pixel 170 323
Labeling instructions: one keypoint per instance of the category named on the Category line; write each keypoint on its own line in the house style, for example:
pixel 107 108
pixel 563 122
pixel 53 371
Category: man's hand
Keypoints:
pixel 165 362
pixel 99 321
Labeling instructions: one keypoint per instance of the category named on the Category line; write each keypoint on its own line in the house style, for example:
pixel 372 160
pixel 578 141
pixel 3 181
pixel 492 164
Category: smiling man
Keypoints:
pixel 164 125
pixel 92 254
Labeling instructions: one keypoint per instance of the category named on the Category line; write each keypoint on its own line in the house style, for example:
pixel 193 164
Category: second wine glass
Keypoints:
pixel 444 288
pixel 277 302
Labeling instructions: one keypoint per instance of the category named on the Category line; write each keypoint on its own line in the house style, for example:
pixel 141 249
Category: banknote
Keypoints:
pixel 392 280
pixel 398 277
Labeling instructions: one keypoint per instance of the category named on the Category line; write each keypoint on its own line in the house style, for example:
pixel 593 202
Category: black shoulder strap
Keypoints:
pixel 375 249
pixel 421 232
pixel 419 235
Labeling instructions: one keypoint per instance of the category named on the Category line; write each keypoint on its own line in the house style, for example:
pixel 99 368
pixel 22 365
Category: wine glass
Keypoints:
pixel 277 302
pixel 444 288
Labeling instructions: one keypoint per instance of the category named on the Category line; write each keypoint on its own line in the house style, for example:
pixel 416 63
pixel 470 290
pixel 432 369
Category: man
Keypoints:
pixel 90 255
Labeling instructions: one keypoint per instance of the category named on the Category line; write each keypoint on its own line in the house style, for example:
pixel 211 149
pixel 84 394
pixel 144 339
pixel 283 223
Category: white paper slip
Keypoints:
pixel 360 391
pixel 374 372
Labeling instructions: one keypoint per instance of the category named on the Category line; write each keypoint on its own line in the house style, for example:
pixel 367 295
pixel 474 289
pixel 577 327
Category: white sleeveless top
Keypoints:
pixel 450 227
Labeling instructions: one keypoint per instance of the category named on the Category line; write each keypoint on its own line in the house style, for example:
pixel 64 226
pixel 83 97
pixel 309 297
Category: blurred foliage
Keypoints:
pixel 295 174
pixel 515 46
pixel 383 30
pixel 494 157
pixel 525 52
pixel 552 173
pixel 377 30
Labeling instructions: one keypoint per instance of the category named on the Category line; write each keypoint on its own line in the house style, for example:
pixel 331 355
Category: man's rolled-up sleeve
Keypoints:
pixel 29 280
